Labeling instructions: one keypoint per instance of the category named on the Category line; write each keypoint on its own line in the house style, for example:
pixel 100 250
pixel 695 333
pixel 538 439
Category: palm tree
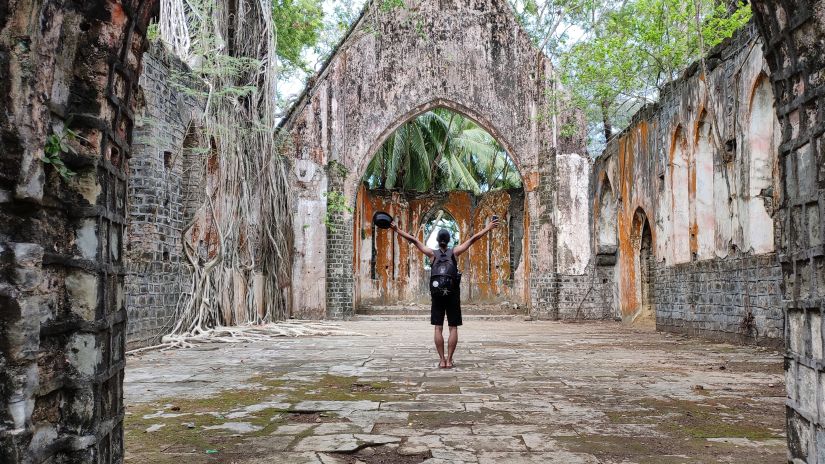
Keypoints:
pixel 440 151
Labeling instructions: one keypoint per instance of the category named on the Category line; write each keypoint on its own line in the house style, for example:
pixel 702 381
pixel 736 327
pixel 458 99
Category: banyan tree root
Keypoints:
pixel 249 333
pixel 246 204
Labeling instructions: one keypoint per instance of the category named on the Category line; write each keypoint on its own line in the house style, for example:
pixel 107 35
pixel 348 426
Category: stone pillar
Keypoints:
pixel 66 66
pixel 793 31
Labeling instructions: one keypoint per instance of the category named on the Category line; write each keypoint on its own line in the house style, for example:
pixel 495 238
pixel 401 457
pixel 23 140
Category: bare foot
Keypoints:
pixel 449 364
pixel 442 364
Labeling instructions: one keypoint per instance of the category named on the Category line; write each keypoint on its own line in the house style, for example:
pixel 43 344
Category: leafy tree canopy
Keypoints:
pixel 616 56
pixel 299 24
pixel 441 151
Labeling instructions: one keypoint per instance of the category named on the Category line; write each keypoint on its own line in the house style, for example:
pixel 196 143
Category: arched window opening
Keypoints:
pixel 680 198
pixel 442 220
pixel 607 236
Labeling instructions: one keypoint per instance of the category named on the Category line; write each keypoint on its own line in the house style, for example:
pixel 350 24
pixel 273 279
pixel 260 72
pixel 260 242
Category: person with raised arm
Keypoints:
pixel 445 290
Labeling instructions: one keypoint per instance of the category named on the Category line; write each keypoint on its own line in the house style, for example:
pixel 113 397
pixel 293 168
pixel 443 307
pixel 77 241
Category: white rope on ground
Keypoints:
pixel 248 333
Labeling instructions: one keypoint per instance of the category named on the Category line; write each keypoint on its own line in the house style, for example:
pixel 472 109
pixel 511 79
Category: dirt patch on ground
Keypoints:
pixel 383 455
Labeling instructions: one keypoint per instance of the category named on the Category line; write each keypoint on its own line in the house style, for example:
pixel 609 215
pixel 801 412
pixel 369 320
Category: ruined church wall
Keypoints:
pixel 471 57
pixel 162 181
pixel 582 290
pixel 794 31
pixel 389 270
pixel 701 168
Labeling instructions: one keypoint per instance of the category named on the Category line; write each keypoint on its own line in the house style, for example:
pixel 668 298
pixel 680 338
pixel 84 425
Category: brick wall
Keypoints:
pixel 588 296
pixel 734 299
pixel 340 254
pixel 162 179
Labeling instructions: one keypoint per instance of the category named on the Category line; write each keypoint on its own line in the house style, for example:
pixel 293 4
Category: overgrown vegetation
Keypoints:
pixel 231 48
pixel 440 151
pixel 56 145
pixel 336 204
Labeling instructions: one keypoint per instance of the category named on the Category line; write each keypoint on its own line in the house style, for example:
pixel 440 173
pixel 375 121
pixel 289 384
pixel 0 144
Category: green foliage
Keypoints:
pixel 336 204
pixel 616 56
pixel 56 145
pixel 441 151
pixel 153 32
pixel 389 5
pixel 299 24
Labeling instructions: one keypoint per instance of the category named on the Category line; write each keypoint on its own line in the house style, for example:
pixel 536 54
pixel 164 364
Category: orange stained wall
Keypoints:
pixel 399 275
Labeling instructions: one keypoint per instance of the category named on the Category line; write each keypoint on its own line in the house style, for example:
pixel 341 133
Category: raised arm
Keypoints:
pixel 421 247
pixel 459 250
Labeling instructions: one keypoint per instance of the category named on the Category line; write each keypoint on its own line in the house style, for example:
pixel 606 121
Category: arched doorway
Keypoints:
pixel 644 270
pixel 439 169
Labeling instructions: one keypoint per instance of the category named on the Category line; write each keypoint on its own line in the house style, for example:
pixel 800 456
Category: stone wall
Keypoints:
pixel 65 65
pixel 724 299
pixel 586 297
pixel 162 182
pixel 698 173
pixel 381 76
pixel 794 32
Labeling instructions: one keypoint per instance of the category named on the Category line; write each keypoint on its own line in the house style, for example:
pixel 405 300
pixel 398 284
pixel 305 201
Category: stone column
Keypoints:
pixel 66 67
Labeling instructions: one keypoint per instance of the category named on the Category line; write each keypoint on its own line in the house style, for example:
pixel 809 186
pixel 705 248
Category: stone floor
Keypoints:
pixel 532 392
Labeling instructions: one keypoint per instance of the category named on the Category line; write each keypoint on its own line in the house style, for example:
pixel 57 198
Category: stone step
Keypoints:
pixel 466 310
pixel 423 317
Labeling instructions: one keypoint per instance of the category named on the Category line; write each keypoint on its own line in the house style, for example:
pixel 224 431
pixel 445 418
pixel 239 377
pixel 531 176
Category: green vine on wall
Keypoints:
pixel 56 145
pixel 336 204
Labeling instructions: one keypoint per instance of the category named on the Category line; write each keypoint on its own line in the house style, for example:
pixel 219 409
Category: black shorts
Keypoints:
pixel 449 305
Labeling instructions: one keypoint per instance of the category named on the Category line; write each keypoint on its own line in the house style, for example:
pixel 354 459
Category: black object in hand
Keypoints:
pixel 382 220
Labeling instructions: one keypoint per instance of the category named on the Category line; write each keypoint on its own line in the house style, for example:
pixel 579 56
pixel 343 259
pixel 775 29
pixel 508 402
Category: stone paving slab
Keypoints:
pixel 522 392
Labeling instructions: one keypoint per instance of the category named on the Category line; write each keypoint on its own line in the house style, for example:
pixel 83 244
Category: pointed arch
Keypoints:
pixel 641 235
pixel 760 165
pixel 607 240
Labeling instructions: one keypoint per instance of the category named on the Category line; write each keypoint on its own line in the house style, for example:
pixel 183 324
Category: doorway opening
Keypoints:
pixel 645 313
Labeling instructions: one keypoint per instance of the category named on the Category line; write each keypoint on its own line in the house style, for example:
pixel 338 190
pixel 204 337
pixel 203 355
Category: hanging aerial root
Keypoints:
pixel 249 333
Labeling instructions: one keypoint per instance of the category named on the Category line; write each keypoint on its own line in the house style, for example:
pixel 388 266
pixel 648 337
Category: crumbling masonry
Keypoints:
pixel 63 242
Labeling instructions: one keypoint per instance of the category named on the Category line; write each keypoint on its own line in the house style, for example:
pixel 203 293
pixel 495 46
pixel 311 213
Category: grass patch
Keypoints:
pixel 688 419
pixel 176 443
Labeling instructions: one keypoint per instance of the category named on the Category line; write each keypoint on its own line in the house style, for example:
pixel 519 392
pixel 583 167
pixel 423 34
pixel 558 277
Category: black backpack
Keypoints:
pixel 444 276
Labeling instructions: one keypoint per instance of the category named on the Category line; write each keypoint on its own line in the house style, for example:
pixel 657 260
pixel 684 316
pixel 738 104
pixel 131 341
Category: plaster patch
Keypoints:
pixel 86 239
pixel 82 288
pixel 83 354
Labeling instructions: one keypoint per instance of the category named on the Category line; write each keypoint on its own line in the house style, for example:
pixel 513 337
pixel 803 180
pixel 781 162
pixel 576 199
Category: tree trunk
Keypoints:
pixel 608 126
